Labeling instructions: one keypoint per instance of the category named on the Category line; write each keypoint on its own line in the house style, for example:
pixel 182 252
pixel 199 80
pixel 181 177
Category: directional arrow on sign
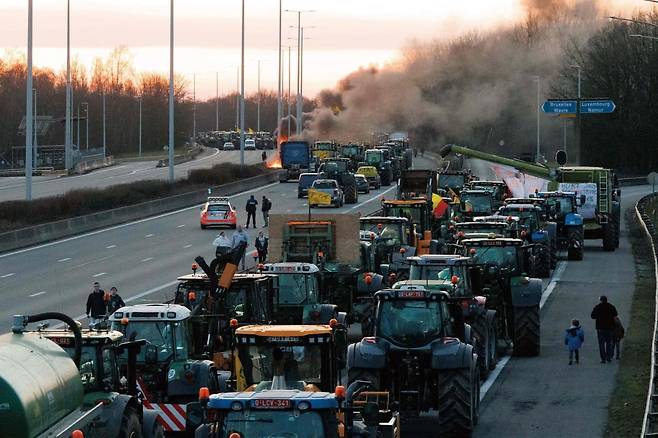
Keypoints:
pixel 597 106
pixel 559 107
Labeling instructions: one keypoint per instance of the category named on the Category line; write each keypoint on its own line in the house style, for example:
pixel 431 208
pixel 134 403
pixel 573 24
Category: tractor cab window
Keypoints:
pixel 273 423
pixel 429 272
pixel 236 302
pixel 409 322
pixel 89 370
pixel 476 202
pixel 373 157
pixel 451 181
pixel 527 217
pixel 505 257
pixel 169 337
pixel 393 232
pixel 295 289
pixel 184 297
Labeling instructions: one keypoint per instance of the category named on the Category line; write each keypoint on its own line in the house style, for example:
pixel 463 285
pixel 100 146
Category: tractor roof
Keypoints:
pixel 406 202
pixel 273 399
pixel 519 207
pixel 556 194
pixel 498 218
pixel 88 335
pixel 475 192
pixel 488 183
pixel 152 312
pixel 492 241
pixel 527 200
pixel 383 219
pixel 290 268
pixel 201 277
pixel 438 259
pixel 284 330
pixel 482 224
pixel 409 292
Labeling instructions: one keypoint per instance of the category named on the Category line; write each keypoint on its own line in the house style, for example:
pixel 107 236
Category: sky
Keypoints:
pixel 340 35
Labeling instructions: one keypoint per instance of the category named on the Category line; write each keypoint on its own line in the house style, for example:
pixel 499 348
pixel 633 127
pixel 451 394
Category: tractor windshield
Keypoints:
pixel 258 423
pixel 451 181
pixel 350 151
pixel 528 217
pixel 296 289
pixel 433 272
pixel 283 366
pixel 413 214
pixel 408 322
pixel 393 232
pixel 170 338
pixel 476 202
pixel 505 257
pixel 373 158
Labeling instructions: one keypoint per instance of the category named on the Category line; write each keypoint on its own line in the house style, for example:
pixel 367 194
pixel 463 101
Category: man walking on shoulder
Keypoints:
pixel 604 313
pixel 96 305
pixel 265 207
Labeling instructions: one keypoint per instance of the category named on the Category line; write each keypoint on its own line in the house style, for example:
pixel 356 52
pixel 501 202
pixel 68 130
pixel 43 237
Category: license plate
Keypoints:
pixel 270 404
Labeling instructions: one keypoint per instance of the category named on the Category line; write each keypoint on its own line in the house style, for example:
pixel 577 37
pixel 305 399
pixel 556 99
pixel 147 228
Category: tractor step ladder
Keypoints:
pixel 603 192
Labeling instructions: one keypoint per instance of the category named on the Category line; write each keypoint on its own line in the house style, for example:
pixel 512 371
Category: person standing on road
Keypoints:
pixel 261 247
pixel 223 244
pixel 617 336
pixel 266 206
pixel 263 156
pixel 240 236
pixel 96 305
pixel 251 210
pixel 604 313
pixel 115 302
pixel 573 339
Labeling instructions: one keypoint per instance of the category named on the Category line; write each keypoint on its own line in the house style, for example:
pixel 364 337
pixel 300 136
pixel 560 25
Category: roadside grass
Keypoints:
pixel 20 214
pixel 626 408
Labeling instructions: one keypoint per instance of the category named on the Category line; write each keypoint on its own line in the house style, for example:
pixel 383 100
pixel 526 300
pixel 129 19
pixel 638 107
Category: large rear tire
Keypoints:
pixel 526 331
pixel 130 425
pixel 576 244
pixel 482 345
pixel 543 262
pixel 457 401
pixel 609 238
pixel 385 177
pixel 351 193
pixel 368 374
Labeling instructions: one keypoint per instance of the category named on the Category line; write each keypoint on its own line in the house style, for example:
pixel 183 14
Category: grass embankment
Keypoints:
pixel 19 214
pixel 626 409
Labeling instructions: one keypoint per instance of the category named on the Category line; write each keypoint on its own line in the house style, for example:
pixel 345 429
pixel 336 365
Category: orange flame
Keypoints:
pixel 274 161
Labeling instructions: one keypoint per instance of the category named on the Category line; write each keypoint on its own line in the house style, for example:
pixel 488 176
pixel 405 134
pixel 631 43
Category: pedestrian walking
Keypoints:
pixel 240 235
pixel 261 247
pixel 251 210
pixel 265 207
pixel 617 336
pixel 573 339
pixel 222 244
pixel 263 156
pixel 96 305
pixel 604 313
pixel 115 302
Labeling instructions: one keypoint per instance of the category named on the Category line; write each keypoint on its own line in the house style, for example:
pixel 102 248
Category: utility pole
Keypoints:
pixel 77 125
pixel 242 92
pixel 279 103
pixel 538 152
pixel 104 123
pixel 67 134
pixel 35 148
pixel 258 110
pixel 171 94
pixel 217 101
pixel 86 104
pixel 140 125
pixel 237 98
pixel 28 108
pixel 299 72
pixel 194 109
pixel 289 83
pixel 578 121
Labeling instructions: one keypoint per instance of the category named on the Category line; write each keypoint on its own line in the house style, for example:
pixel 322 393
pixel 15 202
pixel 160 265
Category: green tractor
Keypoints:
pixel 339 169
pixel 378 158
pixel 355 152
pixel 475 203
pixel 393 240
pixel 601 209
pixel 498 189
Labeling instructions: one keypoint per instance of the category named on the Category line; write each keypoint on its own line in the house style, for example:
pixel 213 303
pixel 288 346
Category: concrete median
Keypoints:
pixel 42 233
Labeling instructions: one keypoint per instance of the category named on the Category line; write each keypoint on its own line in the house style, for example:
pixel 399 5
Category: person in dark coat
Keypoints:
pixel 115 302
pixel 261 247
pixel 251 210
pixel 604 313
pixel 265 207
pixel 96 305
pixel 573 339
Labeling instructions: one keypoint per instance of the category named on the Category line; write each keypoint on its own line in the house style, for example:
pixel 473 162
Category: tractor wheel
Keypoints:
pixel 351 194
pixel 158 432
pixel 203 227
pixel 615 215
pixel 554 253
pixel 576 243
pixel 609 235
pixel 366 374
pixel 130 426
pixel 458 391
pixel 386 178
pixel 542 268
pixel 493 340
pixel 483 344
pixel 526 331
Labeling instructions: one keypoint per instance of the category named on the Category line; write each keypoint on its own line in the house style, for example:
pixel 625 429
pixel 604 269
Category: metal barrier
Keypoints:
pixel 650 421
pixel 633 181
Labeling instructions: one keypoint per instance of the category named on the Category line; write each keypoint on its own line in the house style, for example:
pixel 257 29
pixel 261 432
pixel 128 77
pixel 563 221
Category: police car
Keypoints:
pixel 218 211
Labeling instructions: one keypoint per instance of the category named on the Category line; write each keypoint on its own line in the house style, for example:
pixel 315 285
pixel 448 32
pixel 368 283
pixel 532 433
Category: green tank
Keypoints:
pixel 39 385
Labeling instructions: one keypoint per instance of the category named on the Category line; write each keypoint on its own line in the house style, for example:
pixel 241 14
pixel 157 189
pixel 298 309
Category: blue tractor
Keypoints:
pixel 563 209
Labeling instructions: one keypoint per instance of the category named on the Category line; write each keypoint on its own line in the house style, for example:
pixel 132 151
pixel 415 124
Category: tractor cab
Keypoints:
pixel 530 215
pixel 498 189
pixel 475 203
pixel 393 238
pixel 278 357
pixel 453 274
pixel 419 212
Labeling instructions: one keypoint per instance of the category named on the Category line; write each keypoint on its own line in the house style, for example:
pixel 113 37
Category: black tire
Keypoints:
pixel 158 432
pixel 372 376
pixel 457 408
pixel 526 331
pixel 554 253
pixel 542 268
pixel 130 426
pixel 482 345
pixel 609 239
pixel 386 178
pixel 351 194
pixel 576 244
pixel 493 340
pixel 203 227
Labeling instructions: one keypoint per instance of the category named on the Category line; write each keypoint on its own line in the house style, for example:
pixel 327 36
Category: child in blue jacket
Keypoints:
pixel 573 339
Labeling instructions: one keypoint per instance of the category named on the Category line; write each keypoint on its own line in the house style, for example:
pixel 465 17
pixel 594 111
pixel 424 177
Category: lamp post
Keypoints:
pixel 279 106
pixel 299 58
pixel 35 148
pixel 578 119
pixel 538 152
pixel 104 124
pixel 171 93
pixel 67 133
pixel 28 108
pixel 140 126
pixel 258 101
pixel 217 101
pixel 242 91
pixel 77 127
pixel 194 109
pixel 86 105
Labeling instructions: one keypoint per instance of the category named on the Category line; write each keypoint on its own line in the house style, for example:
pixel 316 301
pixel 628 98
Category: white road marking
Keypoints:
pixel 147 259
pixel 557 275
pixel 100 274
pixel 189 245
pixel 180 226
pixel 110 246
pixel 149 235
pixel 7 275
pixel 64 259
pixel 37 294
pixel 128 224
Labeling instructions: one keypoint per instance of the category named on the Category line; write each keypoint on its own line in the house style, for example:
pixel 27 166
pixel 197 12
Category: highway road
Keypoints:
pixel 12 188
pixel 142 259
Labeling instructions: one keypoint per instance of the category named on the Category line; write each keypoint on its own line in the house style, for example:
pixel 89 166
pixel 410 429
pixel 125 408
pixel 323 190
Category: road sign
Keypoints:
pixel 652 178
pixel 597 106
pixel 559 106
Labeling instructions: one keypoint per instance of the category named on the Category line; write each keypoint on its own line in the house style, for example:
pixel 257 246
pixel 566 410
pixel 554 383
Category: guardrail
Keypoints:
pixel 633 181
pixel 650 422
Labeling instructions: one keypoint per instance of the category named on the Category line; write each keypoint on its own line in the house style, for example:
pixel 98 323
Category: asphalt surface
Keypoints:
pixel 142 259
pixel 13 188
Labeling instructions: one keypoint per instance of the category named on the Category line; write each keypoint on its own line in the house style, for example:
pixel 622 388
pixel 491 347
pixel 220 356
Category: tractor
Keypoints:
pixel 570 232
pixel 377 158
pixel 393 239
pixel 475 203
pixel 339 169
pixel 498 189
pixel 416 354
pixel 355 152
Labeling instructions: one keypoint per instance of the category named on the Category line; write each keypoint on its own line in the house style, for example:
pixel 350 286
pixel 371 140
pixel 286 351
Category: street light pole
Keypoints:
pixel 140 125
pixel 237 97
pixel 104 123
pixel 538 152
pixel 28 108
pixel 279 106
pixel 258 105
pixel 289 83
pixel 171 93
pixel 77 125
pixel 86 104
pixel 576 153
pixel 67 133
pixel 299 72
pixel 35 148
pixel 242 91
pixel 217 101
pixel 194 110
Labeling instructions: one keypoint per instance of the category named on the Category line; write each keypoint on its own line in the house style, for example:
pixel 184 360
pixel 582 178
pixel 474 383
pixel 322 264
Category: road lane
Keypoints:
pixel 145 255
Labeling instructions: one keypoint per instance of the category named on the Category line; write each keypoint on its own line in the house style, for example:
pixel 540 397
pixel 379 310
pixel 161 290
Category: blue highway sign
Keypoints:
pixel 597 107
pixel 560 107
